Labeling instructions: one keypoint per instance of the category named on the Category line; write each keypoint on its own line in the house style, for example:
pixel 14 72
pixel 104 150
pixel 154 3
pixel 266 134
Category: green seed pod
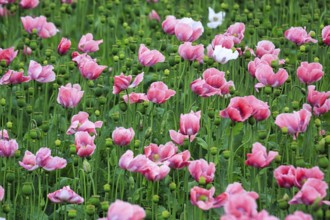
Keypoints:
pixel 148 132
pixel 300 162
pixel 283 204
pixel 102 100
pixel 172 186
pixel 58 142
pixel 123 106
pixel 137 143
pixel 9 125
pixel 95 200
pixel 214 150
pixel 226 154
pixel 6 208
pixel 106 187
pixel 327 139
pixel 320 147
pixel 34 134
pixel 72 213
pixel 73 149
pixel 27 188
pixel 29 109
pixel 202 180
pixel 317 122
pixel 166 214
pixel 10 176
pixel 108 142
pixel 90 209
pixel 105 206
pixel 323 162
pixel 268 90
pixel 3 102
pixel 87 167
pixel 155 198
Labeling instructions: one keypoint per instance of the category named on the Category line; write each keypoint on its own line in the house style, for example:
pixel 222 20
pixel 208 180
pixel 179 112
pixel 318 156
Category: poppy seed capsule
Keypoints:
pixel 72 213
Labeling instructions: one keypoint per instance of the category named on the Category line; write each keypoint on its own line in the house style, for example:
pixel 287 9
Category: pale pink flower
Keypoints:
pixel 125 211
pixel 316 98
pixel 65 195
pixel 2 193
pixel 4 134
pixel 226 41
pixel 303 174
pixel 54 163
pixel 159 93
pixel 179 138
pixel 285 176
pixel 161 153
pixel 168 24
pixel 85 146
pixel 44 29
pixel 259 157
pixel 148 57
pixel 189 52
pixel 266 76
pixel 13 77
pixel 135 97
pixel 265 59
pixel 88 45
pixel 155 172
pixel 237 31
pixel 201 169
pixel 186 29
pixel 264 215
pixel 27 50
pixel 80 122
pixel 42 155
pixel 241 206
pixel 64 46
pixel 4 12
pixel 40 73
pixel 8 147
pixel 237 189
pixel 123 82
pixel 203 198
pixel 309 72
pixel 69 95
pixel 190 123
pixel 89 69
pixel 266 47
pixel 298 35
pixel 326 35
pixel 260 109
pixel 153 15
pixel 299 215
pixel 8 54
pixel 29 161
pixel 179 160
pixel 122 136
pixel 29 4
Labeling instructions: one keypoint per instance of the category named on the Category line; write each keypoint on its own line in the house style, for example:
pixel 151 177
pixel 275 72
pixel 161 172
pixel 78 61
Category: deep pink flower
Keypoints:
pixel 2 193
pixel 200 169
pixel 135 97
pixel 316 98
pixel 295 122
pixel 80 122
pixel 13 77
pixel 259 157
pixel 190 123
pixel 122 136
pixel 8 54
pixel 237 31
pixel 303 174
pixel 189 52
pixel 168 24
pixel 89 69
pixel 285 176
pixel 64 46
pixel 203 198
pixel 266 76
pixel 161 153
pixel 29 4
pixel 238 110
pixel 224 40
pixel 149 57
pixel 299 215
pixel 8 147
pixel 266 47
pixel 179 138
pixel 298 35
pixel 69 95
pixel 309 72
pixel 123 82
pixel 4 134
pixel 88 45
pixel 65 195
pixel 29 161
pixel 260 109
pixel 186 29
pixel 312 190
pixel 179 160
pixel 153 15
pixel 326 35
pixel 125 211
pixel 213 83
pixel 159 93
pixel 84 144
pixel 40 73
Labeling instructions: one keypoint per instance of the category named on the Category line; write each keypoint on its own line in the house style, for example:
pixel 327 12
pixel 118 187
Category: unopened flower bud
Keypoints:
pixel 166 214
pixel 172 185
pixel 226 154
pixel 106 187
pixel 87 167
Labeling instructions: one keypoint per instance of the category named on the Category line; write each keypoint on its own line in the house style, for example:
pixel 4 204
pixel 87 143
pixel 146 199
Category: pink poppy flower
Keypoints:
pixel 87 44
pixel 123 82
pixel 238 110
pixel 8 54
pixel 153 15
pixel 135 97
pixel 13 77
pixel 42 155
pixel 69 95
pixel 298 35
pixel 29 161
pixel 213 83
pixel 44 29
pixel 29 4
pixel 259 157
pixel 309 72
pixel 133 164
pixel 260 109
pixel 295 122
pixel 125 211
pixel 179 138
pixel 2 193
pixel 149 57
pixel 159 93
pixel 168 25
pixel 190 123
pixel 203 198
pixel 65 195
pixel 266 76
pixel 54 163
pixel 122 136
pixel 161 153
pixel 264 60
pixel 155 172
pixel 126 159
pixel 186 29
pixel 4 12
pixel 237 31
pixel 189 52
pixel 316 98
pixel 224 40
pixel 237 189
pixel 67 1
pixel 264 215
pixel 4 134
pixel 85 146
pixel 200 170
pixel 266 47
pixel 64 46
pixel 299 215
pixel 318 110
pixel 89 69
pixel 80 122
pixel 285 176
pixel 312 190
pixel 8 147
pixel 179 160
pixel 40 73
pixel 326 35
pixel 303 174
pixel 241 206
pixel 27 51
pixel 48 30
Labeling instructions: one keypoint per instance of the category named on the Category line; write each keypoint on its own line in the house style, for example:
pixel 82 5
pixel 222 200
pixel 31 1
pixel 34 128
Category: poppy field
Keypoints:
pixel 164 109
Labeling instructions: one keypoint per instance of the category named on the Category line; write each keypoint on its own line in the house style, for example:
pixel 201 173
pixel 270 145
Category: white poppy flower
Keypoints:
pixel 223 55
pixel 215 19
